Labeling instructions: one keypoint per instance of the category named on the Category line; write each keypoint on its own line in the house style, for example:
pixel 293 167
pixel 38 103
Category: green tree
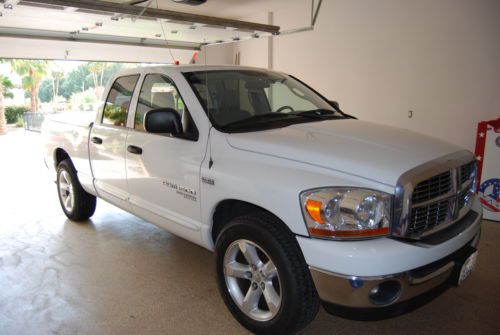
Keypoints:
pixel 5 87
pixel 32 73
pixel 49 88
pixel 46 93
pixel 78 80
pixel 96 70
pixel 81 78
pixel 57 76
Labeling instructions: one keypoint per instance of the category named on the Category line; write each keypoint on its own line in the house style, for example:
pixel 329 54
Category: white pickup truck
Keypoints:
pixel 302 203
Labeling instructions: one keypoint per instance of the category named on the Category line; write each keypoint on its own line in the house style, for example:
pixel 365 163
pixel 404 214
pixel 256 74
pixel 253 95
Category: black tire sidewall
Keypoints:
pixel 244 228
pixel 84 203
pixel 67 166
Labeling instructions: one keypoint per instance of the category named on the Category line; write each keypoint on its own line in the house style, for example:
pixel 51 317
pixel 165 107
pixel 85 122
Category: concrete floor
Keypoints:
pixel 121 275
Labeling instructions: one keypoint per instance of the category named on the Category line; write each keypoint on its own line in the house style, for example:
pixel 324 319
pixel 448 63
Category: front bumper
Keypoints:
pixel 359 290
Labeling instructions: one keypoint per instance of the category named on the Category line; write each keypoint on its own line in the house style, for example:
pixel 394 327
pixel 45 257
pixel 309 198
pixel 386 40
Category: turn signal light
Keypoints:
pixel 313 208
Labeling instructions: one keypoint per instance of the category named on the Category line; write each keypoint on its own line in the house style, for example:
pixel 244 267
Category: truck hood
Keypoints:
pixel 364 149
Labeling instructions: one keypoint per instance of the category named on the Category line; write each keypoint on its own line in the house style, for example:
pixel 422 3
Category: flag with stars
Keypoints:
pixel 488 164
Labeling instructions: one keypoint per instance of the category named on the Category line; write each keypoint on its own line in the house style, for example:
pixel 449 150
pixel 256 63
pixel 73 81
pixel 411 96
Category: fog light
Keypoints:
pixel 356 282
pixel 385 293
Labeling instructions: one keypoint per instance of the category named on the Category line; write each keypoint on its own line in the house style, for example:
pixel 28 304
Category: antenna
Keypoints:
pixel 210 160
pixel 165 38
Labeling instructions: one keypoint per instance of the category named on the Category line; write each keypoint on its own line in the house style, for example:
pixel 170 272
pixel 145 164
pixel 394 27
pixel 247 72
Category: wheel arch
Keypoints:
pixel 228 209
pixel 60 155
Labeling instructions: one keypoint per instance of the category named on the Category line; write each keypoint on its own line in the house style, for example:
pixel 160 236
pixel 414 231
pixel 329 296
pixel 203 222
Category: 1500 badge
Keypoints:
pixel 186 192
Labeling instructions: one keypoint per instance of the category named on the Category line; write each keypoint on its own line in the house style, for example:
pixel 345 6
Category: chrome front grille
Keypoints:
pixel 467 172
pixel 432 188
pixel 434 195
pixel 464 198
pixel 427 217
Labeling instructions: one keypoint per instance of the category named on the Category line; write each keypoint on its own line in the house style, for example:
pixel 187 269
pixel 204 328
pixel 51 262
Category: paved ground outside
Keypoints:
pixel 120 275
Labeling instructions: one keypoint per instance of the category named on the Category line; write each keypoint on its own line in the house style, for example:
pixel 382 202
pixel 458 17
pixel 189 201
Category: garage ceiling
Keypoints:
pixel 162 23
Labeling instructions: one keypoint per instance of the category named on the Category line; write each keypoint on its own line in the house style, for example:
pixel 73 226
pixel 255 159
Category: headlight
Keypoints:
pixel 346 212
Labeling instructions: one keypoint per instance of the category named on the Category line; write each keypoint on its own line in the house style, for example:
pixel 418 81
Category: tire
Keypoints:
pixel 77 204
pixel 248 292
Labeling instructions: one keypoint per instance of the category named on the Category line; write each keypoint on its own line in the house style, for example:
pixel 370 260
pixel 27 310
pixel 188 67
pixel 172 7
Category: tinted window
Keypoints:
pixel 159 91
pixel 118 102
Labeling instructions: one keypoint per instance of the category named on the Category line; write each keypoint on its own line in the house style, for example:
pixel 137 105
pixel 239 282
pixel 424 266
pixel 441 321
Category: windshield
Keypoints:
pixel 249 100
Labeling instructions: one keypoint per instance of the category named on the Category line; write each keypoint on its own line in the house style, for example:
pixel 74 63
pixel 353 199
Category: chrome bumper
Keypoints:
pixel 368 292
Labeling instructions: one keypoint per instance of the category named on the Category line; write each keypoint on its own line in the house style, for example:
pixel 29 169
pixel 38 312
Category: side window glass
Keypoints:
pixel 158 91
pixel 118 101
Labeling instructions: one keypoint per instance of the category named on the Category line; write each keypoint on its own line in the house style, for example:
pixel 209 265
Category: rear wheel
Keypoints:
pixel 77 204
pixel 263 277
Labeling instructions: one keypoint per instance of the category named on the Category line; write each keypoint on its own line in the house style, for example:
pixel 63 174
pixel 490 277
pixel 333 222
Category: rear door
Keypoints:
pixel 108 142
pixel 163 171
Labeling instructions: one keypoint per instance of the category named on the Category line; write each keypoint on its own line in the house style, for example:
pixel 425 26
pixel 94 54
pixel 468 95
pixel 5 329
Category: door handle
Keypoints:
pixel 134 150
pixel 96 140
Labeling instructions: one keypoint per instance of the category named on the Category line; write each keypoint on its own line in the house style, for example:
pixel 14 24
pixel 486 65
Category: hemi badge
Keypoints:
pixel 208 181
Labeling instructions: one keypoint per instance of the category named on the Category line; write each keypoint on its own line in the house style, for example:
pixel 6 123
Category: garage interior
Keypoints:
pixel 429 66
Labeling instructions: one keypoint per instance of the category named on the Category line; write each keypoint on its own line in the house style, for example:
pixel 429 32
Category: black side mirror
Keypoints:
pixel 163 121
pixel 334 104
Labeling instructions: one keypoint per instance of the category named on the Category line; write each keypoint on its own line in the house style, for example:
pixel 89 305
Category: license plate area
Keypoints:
pixel 464 267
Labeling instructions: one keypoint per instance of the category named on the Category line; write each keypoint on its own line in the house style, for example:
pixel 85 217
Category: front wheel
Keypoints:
pixel 77 204
pixel 263 277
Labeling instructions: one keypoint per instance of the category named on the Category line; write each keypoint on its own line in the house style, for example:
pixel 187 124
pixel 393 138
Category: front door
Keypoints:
pixel 163 171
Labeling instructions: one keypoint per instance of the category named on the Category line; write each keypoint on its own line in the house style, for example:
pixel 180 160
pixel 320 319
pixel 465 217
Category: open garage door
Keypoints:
pixel 113 31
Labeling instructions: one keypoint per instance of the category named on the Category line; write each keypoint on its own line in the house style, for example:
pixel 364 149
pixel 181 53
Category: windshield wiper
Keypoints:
pixel 293 117
pixel 260 118
pixel 316 112
pixel 322 114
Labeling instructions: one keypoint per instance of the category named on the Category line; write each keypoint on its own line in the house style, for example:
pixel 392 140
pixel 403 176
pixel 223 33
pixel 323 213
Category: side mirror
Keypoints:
pixel 334 104
pixel 163 121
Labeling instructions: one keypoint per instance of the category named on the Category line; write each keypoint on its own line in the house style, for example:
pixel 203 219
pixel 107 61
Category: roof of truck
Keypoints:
pixel 190 68
pixel 202 67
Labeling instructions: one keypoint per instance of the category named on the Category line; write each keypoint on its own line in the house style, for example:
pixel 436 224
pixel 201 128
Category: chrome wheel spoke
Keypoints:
pixel 66 191
pixel 237 270
pixel 250 253
pixel 251 300
pixel 249 294
pixel 67 202
pixel 64 175
pixel 64 186
pixel 272 298
pixel 269 270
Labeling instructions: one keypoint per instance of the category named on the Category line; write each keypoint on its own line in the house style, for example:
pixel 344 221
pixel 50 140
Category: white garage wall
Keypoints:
pixel 382 58
pixel 45 49
pixel 217 54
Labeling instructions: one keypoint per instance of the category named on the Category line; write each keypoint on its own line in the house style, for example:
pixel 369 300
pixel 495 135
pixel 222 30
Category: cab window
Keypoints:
pixel 159 91
pixel 118 101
